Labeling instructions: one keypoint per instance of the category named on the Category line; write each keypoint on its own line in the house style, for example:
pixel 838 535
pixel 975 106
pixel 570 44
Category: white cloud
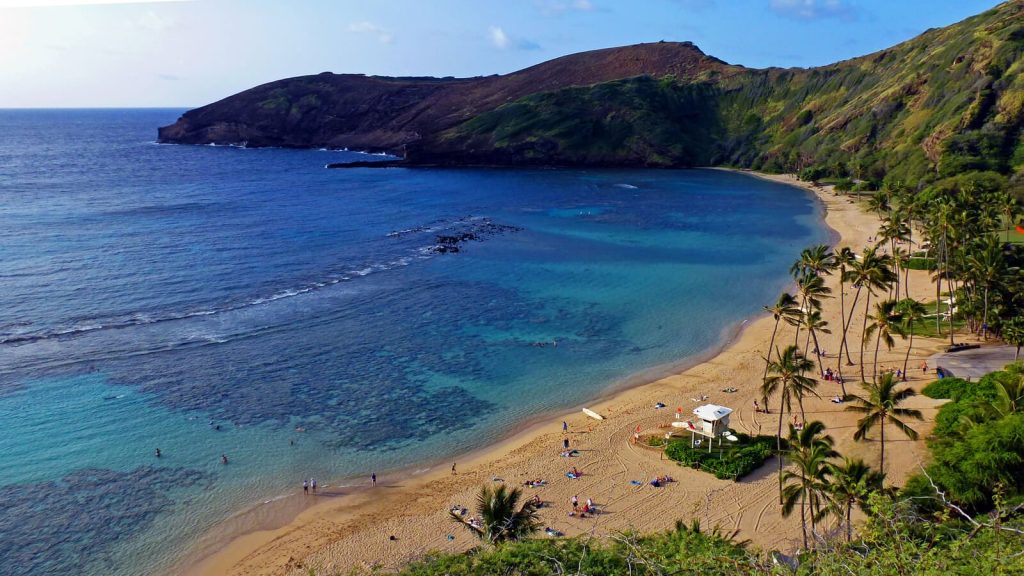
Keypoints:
pixel 499 38
pixel 49 3
pixel 811 9
pixel 383 36
pixel 503 41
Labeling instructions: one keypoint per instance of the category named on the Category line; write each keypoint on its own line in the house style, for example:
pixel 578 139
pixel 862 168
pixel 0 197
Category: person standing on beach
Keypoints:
pixel 453 469
pixel 575 500
pixel 565 426
pixel 312 484
pixel 565 443
pixel 373 479
pixel 305 486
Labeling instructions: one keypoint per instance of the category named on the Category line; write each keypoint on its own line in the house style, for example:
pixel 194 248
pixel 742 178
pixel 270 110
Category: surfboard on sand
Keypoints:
pixel 592 414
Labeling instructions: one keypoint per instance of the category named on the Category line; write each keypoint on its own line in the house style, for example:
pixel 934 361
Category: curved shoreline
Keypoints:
pixel 313 530
pixel 285 509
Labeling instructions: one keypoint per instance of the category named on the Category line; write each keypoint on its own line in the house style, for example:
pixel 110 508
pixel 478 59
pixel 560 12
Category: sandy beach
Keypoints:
pixel 350 527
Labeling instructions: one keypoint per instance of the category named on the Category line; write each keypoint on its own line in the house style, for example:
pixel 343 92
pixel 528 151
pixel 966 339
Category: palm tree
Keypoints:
pixel 1013 334
pixel 500 521
pixel 885 321
pixel 879 203
pixel 783 308
pixel 815 325
pixel 787 378
pixel 872 271
pixel 894 229
pixel 810 452
pixel 883 403
pixel 812 289
pixel 852 482
pixel 843 258
pixel 1009 208
pixel 911 310
pixel 987 265
pixel 814 260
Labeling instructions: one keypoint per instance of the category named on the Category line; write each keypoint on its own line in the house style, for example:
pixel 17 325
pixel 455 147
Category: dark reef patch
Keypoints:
pixel 60 527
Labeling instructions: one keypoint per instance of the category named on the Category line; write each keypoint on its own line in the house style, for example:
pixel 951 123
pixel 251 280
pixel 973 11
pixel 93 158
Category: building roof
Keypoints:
pixel 712 412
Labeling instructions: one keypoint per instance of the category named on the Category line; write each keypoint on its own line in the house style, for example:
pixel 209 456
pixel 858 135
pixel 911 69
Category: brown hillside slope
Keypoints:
pixel 382 113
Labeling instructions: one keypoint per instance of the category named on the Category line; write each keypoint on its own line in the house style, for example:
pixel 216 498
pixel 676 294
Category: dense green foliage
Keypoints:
pixel 948 102
pixel 730 461
pixel 640 121
pixel 978 441
pixel 894 541
pixel 700 554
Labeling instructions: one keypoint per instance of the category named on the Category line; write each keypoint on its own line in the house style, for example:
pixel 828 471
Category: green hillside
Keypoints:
pixel 943 103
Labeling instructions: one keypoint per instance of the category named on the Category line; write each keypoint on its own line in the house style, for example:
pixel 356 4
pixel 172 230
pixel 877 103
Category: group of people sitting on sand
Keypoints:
pixel 535 483
pixel 661 481
pixel 587 508
pixel 573 474
pixel 797 423
pixel 832 376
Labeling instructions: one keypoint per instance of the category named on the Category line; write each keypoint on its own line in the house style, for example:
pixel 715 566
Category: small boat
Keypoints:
pixel 592 414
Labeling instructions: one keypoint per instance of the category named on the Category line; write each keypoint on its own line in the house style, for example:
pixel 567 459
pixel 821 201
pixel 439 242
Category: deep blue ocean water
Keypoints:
pixel 213 300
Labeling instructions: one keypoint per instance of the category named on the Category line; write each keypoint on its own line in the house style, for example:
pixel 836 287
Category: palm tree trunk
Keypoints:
pixel 874 370
pixel 863 330
pixel 910 254
pixel 778 447
pixel 881 459
pixel 768 358
pixel 938 303
pixel 910 345
pixel 949 286
pixel 849 521
pixel 896 269
pixel 846 326
pixel 818 353
pixel 984 328
pixel 799 320
pixel 803 514
pixel 842 317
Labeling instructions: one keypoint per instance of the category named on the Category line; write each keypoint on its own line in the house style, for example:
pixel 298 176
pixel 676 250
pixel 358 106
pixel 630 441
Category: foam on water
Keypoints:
pixel 210 300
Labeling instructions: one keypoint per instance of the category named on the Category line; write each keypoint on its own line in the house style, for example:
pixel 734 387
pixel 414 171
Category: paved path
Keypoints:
pixel 973 364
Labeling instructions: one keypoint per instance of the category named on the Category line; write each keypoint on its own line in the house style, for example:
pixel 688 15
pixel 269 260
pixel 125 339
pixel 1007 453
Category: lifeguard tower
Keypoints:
pixel 712 422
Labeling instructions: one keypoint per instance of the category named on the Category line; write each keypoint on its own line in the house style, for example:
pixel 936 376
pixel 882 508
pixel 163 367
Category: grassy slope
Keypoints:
pixel 947 101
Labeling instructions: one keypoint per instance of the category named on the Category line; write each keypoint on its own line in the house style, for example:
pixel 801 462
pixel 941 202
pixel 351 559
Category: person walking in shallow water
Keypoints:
pixel 312 484
pixel 305 486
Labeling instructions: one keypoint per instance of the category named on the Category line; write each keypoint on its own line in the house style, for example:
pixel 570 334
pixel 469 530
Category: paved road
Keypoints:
pixel 973 364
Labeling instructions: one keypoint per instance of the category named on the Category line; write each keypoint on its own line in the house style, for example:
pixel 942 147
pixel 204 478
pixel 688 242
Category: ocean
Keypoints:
pixel 314 323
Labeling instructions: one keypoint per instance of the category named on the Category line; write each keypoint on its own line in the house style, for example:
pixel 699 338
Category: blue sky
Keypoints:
pixel 67 53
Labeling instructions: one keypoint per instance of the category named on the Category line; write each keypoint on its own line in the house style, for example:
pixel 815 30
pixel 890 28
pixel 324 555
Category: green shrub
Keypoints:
pixel 730 462
pixel 844 185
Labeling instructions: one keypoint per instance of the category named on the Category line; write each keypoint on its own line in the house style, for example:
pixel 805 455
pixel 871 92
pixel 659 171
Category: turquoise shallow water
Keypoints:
pixel 211 301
